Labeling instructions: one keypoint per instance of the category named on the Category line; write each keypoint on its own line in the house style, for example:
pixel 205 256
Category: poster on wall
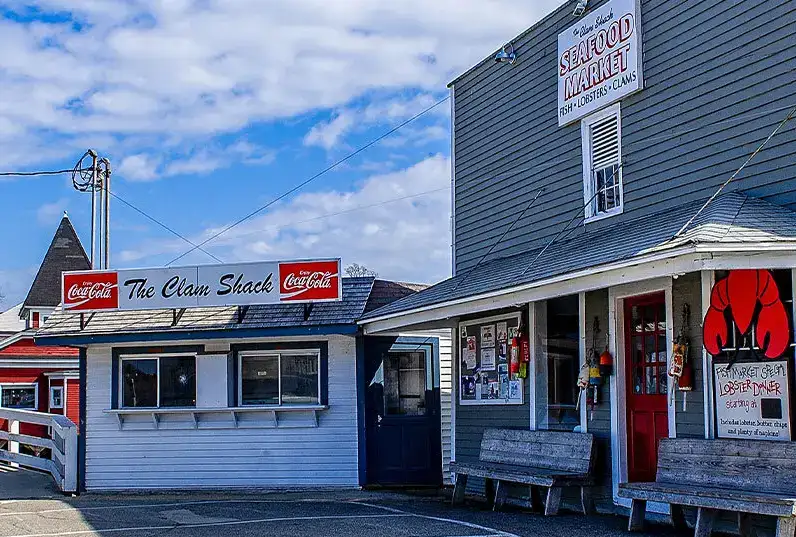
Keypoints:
pixel 488 359
pixel 488 336
pixel 599 60
pixel 485 376
pixel 752 401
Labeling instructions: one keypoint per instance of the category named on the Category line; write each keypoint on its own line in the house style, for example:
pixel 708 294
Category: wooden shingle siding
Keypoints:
pixel 706 64
pixel 145 458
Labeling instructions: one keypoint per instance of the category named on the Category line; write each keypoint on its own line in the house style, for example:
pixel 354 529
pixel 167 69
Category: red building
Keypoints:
pixel 41 378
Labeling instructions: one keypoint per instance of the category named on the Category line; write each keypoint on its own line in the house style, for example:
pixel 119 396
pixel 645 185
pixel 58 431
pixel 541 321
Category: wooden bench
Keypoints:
pixel 742 476
pixel 542 459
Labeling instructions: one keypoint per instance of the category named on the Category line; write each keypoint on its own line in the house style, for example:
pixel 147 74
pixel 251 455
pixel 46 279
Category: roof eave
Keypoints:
pixel 82 340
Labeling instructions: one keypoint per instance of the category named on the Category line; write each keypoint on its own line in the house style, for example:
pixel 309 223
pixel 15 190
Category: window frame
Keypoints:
pixel 17 385
pixel 156 358
pixel 278 353
pixel 589 180
pixel 63 392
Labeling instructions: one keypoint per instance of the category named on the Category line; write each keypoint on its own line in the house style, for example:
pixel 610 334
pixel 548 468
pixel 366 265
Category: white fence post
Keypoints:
pixel 62 464
pixel 13 447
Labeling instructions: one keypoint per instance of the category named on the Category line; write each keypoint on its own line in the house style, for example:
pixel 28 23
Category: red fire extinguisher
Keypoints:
pixel 514 361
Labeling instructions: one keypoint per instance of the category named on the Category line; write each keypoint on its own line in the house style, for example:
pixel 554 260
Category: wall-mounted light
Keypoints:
pixel 506 54
pixel 580 8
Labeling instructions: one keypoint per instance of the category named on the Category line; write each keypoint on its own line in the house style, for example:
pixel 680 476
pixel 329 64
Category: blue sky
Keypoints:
pixel 209 109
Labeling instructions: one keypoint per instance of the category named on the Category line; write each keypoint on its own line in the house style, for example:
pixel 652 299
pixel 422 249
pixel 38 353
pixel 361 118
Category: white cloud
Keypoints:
pixel 405 238
pixel 327 134
pixel 145 167
pixel 138 168
pixel 49 214
pixel 202 67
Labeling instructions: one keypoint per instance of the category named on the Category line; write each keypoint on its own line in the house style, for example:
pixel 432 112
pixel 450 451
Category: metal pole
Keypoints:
pixel 93 155
pixel 107 191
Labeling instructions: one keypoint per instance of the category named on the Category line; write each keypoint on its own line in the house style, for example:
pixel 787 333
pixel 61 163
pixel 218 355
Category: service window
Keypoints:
pixel 279 378
pixel 168 381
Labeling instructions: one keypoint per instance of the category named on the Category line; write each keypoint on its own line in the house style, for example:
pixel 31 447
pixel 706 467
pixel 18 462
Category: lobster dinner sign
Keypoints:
pixel 241 284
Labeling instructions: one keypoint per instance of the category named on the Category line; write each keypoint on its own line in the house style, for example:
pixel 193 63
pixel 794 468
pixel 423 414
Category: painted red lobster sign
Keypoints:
pixel 747 294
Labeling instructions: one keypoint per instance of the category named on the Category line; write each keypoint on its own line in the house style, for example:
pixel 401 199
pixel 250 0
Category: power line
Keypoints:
pixel 500 239
pixel 781 124
pixel 351 210
pixel 164 226
pixel 32 174
pixel 313 178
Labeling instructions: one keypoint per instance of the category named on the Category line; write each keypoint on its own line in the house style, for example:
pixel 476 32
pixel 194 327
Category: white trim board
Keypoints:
pixel 645 267
pixel 616 296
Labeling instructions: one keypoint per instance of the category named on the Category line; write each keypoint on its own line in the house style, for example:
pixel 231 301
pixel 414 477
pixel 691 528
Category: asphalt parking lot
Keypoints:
pixel 311 514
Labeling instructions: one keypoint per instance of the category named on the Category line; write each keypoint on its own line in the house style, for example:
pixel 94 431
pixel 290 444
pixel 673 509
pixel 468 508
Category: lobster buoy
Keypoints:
pixel 606 364
pixel 686 381
pixel 594 375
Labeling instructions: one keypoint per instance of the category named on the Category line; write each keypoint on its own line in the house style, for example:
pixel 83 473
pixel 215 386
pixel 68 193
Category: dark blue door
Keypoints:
pixel 402 414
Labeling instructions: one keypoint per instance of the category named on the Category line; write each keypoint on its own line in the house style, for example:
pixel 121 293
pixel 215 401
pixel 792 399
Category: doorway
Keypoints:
pixel 646 383
pixel 402 413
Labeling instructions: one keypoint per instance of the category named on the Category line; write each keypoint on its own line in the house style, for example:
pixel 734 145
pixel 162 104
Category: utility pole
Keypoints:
pixel 92 174
pixel 93 155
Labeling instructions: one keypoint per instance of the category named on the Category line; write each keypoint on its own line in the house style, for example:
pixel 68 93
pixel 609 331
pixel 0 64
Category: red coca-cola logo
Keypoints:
pixel 90 291
pixel 310 280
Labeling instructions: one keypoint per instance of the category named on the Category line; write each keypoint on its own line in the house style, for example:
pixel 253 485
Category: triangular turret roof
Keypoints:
pixel 65 254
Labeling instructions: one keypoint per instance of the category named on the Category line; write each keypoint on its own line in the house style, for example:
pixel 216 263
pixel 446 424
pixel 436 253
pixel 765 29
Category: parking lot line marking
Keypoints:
pixel 207 525
pixel 392 510
pixel 153 505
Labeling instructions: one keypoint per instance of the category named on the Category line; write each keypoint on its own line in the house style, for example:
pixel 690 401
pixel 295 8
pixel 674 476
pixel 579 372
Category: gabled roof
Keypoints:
pixel 10 323
pixel 64 254
pixel 357 293
pixel 731 218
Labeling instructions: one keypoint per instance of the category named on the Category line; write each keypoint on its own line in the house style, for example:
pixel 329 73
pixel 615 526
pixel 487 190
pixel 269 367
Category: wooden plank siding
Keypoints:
pixel 144 458
pixel 691 420
pixel 712 72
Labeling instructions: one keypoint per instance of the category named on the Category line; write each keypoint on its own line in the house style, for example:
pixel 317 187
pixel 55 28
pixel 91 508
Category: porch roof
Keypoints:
pixel 731 219
pixel 359 295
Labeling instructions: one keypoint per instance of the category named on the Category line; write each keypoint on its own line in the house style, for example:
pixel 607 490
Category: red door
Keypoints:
pixel 647 383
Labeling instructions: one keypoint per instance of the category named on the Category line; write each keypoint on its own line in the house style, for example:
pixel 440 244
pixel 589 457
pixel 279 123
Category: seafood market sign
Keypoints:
pixel 752 401
pixel 204 285
pixel 599 60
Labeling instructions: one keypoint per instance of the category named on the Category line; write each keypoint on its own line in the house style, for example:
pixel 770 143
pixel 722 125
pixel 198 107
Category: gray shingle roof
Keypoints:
pixel 356 292
pixel 731 218
pixel 64 254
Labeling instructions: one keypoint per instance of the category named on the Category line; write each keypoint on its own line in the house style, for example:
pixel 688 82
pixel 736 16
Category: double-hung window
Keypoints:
pixel 279 378
pixel 160 381
pixel 56 397
pixel 601 136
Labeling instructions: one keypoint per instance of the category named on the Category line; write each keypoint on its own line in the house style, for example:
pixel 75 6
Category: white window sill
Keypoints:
pixel 603 216
pixel 234 413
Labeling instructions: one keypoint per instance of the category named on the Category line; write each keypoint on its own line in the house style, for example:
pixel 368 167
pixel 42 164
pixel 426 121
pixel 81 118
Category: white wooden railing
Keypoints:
pixel 62 462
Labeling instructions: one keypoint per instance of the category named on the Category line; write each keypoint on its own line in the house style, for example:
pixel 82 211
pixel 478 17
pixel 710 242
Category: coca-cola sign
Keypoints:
pixel 204 285
pixel 90 291
pixel 309 281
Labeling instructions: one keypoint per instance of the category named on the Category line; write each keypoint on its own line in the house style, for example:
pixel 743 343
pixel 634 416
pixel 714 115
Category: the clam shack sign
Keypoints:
pixel 241 284
pixel 599 60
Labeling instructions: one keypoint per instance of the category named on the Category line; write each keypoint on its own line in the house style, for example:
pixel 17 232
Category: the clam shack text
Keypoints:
pixel 203 285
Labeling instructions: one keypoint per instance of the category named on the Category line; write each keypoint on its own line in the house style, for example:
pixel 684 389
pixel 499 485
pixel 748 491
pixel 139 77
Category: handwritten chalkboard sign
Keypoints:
pixel 752 401
pixel 485 362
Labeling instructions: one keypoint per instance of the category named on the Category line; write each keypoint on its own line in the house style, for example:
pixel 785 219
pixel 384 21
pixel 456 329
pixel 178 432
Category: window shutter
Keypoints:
pixel 605 143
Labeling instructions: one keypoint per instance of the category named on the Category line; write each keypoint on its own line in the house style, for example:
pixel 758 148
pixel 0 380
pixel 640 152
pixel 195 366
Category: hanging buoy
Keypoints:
pixel 606 363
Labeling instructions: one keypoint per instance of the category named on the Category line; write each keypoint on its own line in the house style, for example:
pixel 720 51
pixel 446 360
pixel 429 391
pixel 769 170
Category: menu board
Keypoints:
pixel 752 401
pixel 485 356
